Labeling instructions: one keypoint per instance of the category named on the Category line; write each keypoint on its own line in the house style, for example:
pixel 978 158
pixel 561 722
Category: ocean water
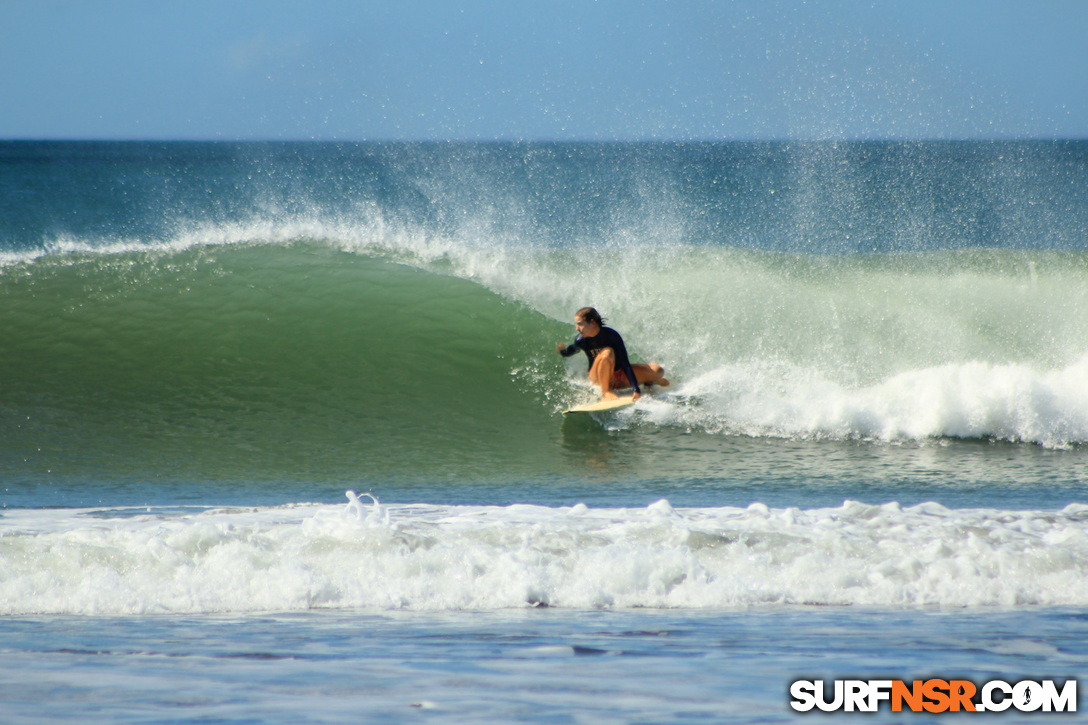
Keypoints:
pixel 280 431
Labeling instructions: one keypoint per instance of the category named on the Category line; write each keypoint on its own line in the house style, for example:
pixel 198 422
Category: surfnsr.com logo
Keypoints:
pixel 934 695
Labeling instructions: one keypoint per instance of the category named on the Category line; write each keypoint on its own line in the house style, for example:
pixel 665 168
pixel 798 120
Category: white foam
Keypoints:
pixel 967 400
pixel 479 557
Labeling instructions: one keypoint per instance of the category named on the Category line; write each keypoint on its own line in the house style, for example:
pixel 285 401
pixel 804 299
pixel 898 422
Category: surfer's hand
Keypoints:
pixel 559 347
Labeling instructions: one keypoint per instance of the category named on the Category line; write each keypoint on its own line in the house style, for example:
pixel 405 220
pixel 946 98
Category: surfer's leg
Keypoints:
pixel 600 374
pixel 650 373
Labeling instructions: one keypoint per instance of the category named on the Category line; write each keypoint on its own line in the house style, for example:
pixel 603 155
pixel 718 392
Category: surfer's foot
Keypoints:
pixel 609 396
pixel 662 383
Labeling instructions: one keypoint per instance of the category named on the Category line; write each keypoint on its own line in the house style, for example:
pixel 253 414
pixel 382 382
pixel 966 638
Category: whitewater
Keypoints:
pixel 437 558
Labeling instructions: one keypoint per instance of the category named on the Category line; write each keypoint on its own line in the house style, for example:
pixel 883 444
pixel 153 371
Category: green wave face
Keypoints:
pixel 261 362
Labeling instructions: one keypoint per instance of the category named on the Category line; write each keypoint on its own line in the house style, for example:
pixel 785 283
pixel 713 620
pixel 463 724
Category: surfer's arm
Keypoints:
pixel 631 378
pixel 568 350
pixel 616 342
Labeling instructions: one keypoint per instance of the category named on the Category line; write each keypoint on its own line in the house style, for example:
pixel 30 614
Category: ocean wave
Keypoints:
pixel 424 557
pixel 261 334
pixel 268 359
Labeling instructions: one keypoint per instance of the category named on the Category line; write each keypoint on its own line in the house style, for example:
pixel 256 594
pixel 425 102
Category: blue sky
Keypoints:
pixel 571 69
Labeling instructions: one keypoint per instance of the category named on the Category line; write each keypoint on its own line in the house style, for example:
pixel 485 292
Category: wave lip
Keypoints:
pixel 424 557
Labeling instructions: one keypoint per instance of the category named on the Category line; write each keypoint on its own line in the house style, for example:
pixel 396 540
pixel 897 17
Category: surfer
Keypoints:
pixel 609 366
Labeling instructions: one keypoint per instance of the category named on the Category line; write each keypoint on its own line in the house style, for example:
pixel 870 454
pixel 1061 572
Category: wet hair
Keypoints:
pixel 588 314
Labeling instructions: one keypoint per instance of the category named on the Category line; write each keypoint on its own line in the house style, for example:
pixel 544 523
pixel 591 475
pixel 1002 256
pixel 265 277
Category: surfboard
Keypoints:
pixel 602 406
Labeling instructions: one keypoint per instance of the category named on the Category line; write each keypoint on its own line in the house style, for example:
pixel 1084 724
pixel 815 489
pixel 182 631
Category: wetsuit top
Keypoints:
pixel 607 337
